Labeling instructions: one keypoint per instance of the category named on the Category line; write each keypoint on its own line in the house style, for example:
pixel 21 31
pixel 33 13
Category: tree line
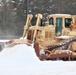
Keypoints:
pixel 13 12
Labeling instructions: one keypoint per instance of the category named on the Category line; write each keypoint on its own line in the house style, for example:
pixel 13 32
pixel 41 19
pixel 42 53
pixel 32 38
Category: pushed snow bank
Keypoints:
pixel 22 60
pixel 19 53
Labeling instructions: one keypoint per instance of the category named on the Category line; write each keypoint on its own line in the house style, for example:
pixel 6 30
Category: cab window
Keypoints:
pixel 51 21
pixel 67 22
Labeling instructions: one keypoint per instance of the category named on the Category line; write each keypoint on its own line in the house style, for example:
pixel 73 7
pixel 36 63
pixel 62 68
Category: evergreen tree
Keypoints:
pixel 7 18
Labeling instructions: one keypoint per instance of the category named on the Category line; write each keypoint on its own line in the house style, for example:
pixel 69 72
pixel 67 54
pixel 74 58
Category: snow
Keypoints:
pixel 22 60
pixel 63 37
pixel 4 40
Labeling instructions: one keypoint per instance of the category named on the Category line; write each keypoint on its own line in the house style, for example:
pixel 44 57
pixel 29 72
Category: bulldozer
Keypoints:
pixel 53 39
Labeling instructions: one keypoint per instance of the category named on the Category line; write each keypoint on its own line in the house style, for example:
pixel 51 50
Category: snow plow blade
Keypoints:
pixel 13 42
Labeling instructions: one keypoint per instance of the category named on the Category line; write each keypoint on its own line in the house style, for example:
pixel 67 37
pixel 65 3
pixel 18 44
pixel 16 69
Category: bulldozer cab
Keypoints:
pixel 61 22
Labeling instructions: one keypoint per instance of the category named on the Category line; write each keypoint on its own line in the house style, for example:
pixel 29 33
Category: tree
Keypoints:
pixel 7 19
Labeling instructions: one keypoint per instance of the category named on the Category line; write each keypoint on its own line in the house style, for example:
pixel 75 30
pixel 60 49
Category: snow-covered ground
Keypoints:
pixel 22 60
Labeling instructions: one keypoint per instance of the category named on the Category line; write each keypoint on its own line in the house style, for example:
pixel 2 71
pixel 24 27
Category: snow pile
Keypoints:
pixel 19 53
pixel 22 60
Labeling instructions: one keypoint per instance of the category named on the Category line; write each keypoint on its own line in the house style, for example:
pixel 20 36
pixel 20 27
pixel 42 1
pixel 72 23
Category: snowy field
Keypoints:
pixel 22 60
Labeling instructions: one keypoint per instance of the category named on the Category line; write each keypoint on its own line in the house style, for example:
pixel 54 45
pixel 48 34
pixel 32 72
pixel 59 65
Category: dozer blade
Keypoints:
pixel 14 42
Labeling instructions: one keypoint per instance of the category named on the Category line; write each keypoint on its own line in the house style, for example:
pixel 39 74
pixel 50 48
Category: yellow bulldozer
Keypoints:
pixel 53 39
